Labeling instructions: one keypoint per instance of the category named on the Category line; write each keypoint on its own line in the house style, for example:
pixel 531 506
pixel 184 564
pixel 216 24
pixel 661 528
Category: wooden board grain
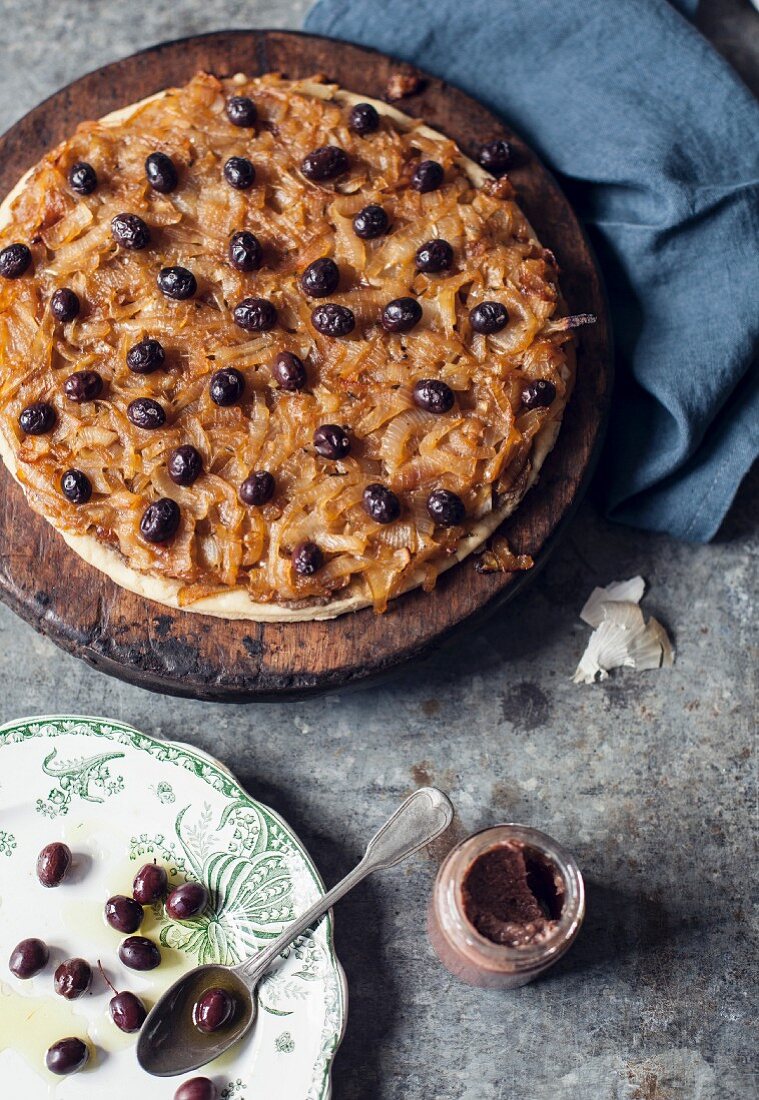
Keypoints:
pixel 186 654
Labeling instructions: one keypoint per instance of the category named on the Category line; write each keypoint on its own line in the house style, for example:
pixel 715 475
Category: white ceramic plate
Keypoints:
pixel 119 799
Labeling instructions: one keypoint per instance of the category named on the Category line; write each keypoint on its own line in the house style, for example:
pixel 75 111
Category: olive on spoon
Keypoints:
pixel 171 1043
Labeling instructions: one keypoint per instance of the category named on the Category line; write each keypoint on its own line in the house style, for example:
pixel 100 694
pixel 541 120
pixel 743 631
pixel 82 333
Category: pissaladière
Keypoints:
pixel 236 390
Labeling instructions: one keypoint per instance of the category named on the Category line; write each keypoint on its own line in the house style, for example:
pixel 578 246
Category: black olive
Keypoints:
pixel 495 157
pixel 325 163
pixel 320 279
pixel 241 111
pixel 160 520
pixel 82 178
pixel 127 1012
pixel 214 1009
pixel 332 441
pixel 37 419
pixel 226 387
pixel 538 394
pixel 28 958
pixel 239 173
pixel 14 260
pixel 289 372
pixel 255 314
pixel 185 465
pixel 258 488
pixel 433 395
pixel 150 884
pixel 130 231
pixel 145 357
pixel 446 508
pixel 53 863
pixel 198 1088
pixel 161 173
pixel 381 503
pixel 331 319
pixel 64 304
pixel 428 176
pixel 370 222
pixel 363 119
pixel 123 913
pixel 146 413
pixel 488 317
pixel 83 385
pixel 139 953
pixel 177 283
pixel 76 486
pixel 434 256
pixel 66 1056
pixel 245 252
pixel 186 901
pixel 401 315
pixel 72 978
pixel 307 559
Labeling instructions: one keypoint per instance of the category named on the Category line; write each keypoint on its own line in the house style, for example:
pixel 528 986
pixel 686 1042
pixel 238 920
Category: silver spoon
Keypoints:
pixel 169 1042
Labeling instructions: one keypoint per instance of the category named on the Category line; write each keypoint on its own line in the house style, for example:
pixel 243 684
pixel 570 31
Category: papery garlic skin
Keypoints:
pixel 629 591
pixel 622 637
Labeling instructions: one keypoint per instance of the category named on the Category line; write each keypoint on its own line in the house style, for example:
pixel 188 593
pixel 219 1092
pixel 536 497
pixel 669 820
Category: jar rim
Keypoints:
pixel 455 868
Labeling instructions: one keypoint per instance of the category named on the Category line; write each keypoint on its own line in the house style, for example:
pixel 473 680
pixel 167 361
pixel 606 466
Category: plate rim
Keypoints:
pixel 229 776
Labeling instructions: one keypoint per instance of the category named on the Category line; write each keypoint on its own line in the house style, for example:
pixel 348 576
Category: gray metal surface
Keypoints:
pixel 646 778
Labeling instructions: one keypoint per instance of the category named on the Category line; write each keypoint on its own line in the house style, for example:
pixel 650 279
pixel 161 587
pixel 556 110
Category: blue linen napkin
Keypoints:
pixel 656 141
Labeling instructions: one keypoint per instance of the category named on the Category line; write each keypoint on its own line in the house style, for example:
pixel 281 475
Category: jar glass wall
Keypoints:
pixel 473 957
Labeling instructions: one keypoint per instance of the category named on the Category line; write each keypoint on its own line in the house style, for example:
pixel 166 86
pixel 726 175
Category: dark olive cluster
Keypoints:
pixel 124 913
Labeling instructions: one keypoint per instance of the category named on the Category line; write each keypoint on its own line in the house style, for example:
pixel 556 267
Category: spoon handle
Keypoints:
pixel 423 816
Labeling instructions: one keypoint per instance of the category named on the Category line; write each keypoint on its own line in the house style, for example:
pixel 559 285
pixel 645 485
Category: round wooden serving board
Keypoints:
pixel 187 654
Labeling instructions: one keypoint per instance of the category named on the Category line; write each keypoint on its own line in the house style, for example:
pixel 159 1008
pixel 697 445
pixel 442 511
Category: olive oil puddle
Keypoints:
pixel 30 1022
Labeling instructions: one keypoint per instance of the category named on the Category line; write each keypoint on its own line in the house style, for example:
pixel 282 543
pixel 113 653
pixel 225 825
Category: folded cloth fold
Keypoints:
pixel 656 141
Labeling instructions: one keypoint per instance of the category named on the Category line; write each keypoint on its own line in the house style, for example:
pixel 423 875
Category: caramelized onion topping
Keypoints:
pixel 253 366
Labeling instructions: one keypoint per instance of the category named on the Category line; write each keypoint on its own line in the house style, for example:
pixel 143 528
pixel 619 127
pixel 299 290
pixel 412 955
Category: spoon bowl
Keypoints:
pixel 170 1043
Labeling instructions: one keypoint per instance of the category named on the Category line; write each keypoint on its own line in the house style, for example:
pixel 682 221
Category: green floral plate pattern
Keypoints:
pixel 119 799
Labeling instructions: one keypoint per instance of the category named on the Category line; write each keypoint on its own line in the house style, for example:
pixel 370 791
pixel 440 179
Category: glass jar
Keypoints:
pixel 480 961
